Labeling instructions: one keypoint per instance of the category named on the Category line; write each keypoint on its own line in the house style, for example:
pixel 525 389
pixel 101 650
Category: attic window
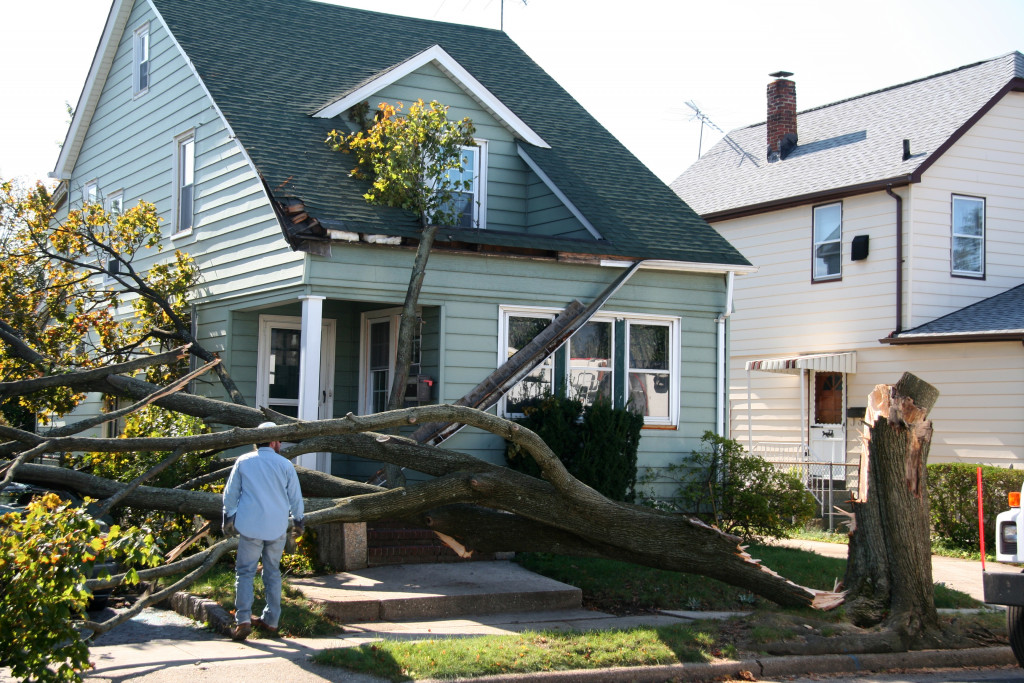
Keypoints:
pixel 472 203
pixel 140 60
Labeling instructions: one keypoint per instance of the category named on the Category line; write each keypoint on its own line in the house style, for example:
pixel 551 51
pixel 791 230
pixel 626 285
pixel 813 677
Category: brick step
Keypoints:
pixel 391 543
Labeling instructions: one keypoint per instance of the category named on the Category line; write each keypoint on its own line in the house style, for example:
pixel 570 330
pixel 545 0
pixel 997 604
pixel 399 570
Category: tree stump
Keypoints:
pixel 889 572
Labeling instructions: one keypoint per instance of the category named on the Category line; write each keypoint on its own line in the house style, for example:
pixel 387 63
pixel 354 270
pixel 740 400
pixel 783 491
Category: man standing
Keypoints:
pixel 260 493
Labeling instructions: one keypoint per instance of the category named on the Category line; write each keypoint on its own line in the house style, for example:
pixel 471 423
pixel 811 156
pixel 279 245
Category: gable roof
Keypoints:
pixel 851 146
pixel 311 55
pixel 997 318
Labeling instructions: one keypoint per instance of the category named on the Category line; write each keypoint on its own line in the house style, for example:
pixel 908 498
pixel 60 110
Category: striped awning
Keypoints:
pixel 821 362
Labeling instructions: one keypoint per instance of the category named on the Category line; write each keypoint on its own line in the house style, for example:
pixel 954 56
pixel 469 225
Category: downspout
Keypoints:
pixel 722 397
pixel 899 259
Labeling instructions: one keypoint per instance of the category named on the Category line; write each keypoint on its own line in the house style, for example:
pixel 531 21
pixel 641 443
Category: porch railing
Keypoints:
pixel 818 476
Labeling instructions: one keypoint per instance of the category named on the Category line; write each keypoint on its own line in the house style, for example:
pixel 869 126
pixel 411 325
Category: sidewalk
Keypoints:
pixel 160 645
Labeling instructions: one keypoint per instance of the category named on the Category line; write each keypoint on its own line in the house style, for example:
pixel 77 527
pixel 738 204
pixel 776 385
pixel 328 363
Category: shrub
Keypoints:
pixel 597 443
pixel 953 500
pixel 738 492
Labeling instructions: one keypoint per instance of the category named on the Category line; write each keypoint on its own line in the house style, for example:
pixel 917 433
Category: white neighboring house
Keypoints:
pixel 888 230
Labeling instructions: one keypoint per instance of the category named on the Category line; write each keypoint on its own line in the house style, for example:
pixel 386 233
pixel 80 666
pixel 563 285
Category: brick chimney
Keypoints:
pixel 781 123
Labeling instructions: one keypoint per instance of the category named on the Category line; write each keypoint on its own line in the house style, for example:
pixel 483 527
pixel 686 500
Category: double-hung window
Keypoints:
pixel 828 242
pixel 629 360
pixel 185 166
pixel 470 199
pixel 968 239
pixel 140 60
pixel 91 192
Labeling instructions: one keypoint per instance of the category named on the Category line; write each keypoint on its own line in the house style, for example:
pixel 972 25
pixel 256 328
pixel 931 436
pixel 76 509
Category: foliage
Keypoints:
pixel 739 492
pixel 953 501
pixel 56 295
pixel 413 160
pixel 46 554
pixel 597 443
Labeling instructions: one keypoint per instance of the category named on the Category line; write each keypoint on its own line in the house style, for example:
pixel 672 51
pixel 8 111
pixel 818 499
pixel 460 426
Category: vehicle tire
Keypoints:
pixel 1015 629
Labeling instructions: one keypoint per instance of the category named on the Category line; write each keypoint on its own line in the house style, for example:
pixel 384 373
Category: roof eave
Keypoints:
pixel 811 197
pixel 102 60
pixel 955 338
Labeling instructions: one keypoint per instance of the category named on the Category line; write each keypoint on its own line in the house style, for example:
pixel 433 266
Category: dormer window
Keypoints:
pixel 471 204
pixel 140 61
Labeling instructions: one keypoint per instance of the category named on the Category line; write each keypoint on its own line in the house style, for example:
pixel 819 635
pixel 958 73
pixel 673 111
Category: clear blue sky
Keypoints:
pixel 633 64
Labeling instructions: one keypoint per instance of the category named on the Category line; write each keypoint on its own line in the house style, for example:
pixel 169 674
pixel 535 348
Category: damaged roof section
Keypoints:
pixel 623 210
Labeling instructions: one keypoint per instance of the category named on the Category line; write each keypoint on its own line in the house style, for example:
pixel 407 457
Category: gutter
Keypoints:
pixel 955 338
pixel 721 320
pixel 899 259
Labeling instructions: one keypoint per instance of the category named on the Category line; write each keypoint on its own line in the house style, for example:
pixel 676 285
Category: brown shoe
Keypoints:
pixel 241 632
pixel 262 625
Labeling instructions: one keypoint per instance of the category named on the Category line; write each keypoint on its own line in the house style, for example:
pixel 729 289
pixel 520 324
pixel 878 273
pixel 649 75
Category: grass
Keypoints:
pixel 940 546
pixel 299 617
pixel 622 588
pixel 530 652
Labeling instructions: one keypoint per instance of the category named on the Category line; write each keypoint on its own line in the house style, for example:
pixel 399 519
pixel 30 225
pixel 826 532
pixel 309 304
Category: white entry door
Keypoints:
pixel 277 368
pixel 828 422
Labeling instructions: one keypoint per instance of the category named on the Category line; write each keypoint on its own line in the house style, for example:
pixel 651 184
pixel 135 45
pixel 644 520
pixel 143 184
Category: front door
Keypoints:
pixel 828 424
pixel 277 372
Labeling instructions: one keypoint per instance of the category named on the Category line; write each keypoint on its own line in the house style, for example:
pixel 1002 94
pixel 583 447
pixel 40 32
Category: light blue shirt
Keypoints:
pixel 261 490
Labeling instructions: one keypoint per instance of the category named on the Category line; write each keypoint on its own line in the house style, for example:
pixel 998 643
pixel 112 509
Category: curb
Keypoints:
pixel 770 667
pixel 203 610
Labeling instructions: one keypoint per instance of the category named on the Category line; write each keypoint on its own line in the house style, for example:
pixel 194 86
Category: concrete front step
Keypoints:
pixel 435 591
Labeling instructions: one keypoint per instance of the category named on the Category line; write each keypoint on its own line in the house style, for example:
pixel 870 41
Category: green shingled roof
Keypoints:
pixel 270 64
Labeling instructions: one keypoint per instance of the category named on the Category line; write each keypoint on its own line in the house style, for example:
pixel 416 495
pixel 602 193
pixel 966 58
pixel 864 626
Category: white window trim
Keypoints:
pixel 91 187
pixel 672 322
pixel 394 315
pixel 268 322
pixel 137 90
pixel 815 243
pixel 179 141
pixel 480 186
pixel 113 198
pixel 953 235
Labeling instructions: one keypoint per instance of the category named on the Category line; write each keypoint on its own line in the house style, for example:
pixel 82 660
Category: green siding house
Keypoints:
pixel 217 112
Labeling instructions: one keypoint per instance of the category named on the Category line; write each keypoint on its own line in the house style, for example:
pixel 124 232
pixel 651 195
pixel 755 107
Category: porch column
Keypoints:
pixel 309 373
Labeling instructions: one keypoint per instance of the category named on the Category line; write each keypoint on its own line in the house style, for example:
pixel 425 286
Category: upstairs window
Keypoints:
pixel 91 192
pixel 828 243
pixel 185 181
pixel 471 202
pixel 140 60
pixel 968 241
pixel 115 204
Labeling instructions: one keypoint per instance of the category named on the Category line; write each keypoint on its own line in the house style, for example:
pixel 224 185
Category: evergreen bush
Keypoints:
pixel 596 443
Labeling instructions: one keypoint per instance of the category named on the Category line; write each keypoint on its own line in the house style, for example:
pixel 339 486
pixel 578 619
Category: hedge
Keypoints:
pixel 953 497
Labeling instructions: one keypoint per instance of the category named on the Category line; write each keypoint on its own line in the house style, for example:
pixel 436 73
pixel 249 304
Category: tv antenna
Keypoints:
pixel 706 120
pixel 503 13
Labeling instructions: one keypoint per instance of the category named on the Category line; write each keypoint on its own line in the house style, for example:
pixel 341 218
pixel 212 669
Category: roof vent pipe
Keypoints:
pixel 781 121
pixel 906 149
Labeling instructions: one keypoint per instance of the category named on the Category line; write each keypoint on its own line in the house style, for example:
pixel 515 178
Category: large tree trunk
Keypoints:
pixel 889 573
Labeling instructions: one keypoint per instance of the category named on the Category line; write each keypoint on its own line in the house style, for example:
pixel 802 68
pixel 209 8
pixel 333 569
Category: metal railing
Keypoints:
pixel 818 476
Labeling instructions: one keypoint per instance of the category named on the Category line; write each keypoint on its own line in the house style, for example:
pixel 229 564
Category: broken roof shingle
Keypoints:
pixel 311 54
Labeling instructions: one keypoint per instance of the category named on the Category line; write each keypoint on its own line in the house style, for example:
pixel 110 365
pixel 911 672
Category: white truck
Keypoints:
pixel 1008 589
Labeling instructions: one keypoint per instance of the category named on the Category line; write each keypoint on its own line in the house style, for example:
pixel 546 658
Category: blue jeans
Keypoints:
pixel 250 551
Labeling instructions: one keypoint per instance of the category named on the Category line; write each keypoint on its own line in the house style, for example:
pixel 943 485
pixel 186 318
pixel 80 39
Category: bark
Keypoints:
pixel 889 576
pixel 556 514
